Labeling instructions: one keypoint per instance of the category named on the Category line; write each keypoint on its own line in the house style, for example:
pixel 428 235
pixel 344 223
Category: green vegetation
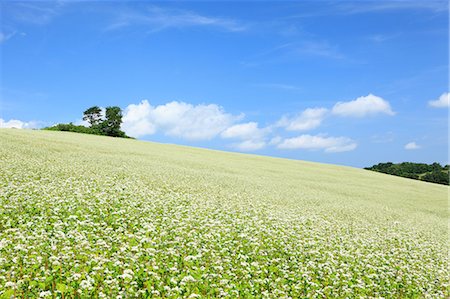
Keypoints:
pixel 434 173
pixel 108 126
pixel 86 216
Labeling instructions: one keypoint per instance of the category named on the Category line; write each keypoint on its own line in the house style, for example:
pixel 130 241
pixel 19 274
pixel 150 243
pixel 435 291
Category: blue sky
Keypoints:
pixel 352 83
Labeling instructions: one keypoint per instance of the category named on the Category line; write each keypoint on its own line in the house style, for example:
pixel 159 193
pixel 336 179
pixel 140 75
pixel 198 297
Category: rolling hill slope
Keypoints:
pixel 87 216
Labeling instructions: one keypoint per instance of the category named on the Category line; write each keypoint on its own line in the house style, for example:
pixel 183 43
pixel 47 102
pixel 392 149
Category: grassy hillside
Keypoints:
pixel 85 216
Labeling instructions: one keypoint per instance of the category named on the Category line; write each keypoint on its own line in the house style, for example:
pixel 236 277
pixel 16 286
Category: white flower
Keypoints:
pixel 45 294
pixel 10 284
pixel 187 279
pixel 85 284
pixel 76 276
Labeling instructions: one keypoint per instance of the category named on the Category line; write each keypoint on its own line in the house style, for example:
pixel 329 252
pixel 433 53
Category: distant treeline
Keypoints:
pixel 434 173
pixel 107 125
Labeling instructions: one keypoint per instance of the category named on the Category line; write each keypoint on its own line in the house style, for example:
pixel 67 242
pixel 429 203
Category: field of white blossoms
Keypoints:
pixel 85 216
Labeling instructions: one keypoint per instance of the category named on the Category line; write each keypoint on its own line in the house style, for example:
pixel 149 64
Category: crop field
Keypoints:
pixel 84 216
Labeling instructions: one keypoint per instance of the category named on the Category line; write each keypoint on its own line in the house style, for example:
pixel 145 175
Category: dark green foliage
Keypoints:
pixel 70 127
pixel 434 173
pixel 93 115
pixel 110 126
pixel 437 176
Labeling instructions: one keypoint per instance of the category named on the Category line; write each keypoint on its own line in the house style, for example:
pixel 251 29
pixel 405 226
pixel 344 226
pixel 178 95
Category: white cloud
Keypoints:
pixel 252 136
pixel 192 122
pixel 177 119
pixel 250 145
pixel 411 146
pixel 328 144
pixel 18 124
pixel 137 120
pixel 363 106
pixel 244 131
pixel 442 102
pixel 309 119
pixel 275 140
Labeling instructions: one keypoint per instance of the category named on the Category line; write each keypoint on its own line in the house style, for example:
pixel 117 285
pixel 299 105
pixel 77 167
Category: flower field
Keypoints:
pixel 85 216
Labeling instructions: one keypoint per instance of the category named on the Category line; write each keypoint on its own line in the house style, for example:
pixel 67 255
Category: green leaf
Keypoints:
pixel 49 278
pixel 61 287
pixel 8 294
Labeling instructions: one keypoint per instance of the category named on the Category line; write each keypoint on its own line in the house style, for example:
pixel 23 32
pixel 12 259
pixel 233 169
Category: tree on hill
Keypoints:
pixel 93 115
pixel 111 125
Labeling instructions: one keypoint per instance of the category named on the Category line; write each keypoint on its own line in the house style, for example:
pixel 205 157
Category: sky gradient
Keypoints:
pixel 351 83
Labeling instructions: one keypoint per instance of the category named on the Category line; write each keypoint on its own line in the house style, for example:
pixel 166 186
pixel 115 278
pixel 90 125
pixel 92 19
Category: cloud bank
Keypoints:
pixel 177 119
pixel 206 121
pixel 18 124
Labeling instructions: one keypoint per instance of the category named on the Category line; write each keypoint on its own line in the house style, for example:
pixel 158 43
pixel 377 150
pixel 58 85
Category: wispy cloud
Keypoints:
pixel 17 13
pixel 6 36
pixel 38 13
pixel 159 18
pixel 383 138
pixel 305 49
pixel 391 5
pixel 155 18
pixel 318 48
pixel 372 6
pixel 420 79
pixel 309 47
pixel 380 38
pixel 279 86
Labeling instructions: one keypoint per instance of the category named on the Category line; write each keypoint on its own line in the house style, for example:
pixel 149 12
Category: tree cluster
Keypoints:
pixel 108 124
pixel 434 173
